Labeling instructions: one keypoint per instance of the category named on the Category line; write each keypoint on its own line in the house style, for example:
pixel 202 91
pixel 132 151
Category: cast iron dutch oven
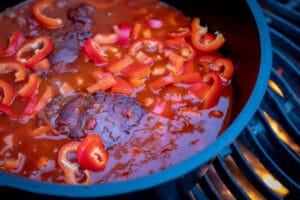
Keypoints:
pixel 248 44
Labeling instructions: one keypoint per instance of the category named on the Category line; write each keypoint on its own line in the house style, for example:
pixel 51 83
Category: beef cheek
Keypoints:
pixel 80 22
pixel 112 116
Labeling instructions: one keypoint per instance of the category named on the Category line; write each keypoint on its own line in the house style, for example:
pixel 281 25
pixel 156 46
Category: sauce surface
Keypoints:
pixel 146 127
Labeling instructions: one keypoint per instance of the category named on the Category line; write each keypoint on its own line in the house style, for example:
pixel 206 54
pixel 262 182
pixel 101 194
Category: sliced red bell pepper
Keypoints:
pixel 29 108
pixel 30 87
pixel 34 51
pixel 91 154
pixel 123 31
pixel 13 163
pixel 176 42
pixel 15 42
pixel 44 99
pixel 37 11
pixel 189 78
pixel 225 68
pixel 175 64
pixel 150 45
pixel 6 67
pixel 71 169
pixel 142 57
pixel 136 30
pixel 187 52
pixel 202 41
pixel 122 86
pixel 162 108
pixel 119 65
pixel 8 93
pixel 94 51
pixel 188 67
pixel 110 38
pixel 136 70
pixel 6 109
pixel 106 81
pixel 162 82
pixel 154 23
pixel 212 96
pixel 208 89
pixel 181 32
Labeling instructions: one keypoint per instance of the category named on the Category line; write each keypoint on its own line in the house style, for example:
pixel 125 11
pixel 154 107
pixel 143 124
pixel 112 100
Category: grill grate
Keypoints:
pixel 264 161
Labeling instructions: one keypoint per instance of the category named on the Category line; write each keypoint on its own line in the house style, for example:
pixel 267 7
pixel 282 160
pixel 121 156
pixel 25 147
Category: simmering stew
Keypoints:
pixel 109 90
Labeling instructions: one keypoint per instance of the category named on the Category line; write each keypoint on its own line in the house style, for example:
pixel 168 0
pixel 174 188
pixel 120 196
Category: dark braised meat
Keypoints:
pixel 67 47
pixel 112 116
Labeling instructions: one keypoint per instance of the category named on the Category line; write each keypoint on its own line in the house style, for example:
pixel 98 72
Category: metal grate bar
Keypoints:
pixel 285 8
pixel 285 45
pixel 282 112
pixel 290 30
pixel 256 148
pixel 289 163
pixel 285 88
pixel 229 180
pixel 250 174
pixel 207 188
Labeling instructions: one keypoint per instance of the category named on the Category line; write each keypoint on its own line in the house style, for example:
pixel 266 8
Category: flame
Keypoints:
pixel 264 174
pixel 282 134
pixel 275 87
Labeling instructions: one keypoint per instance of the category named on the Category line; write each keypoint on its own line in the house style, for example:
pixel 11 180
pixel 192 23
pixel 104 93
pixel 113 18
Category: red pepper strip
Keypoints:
pixel 15 42
pixel 44 99
pixel 120 64
pixel 91 153
pixel 150 45
pixel 187 52
pixel 37 11
pixel 200 40
pixel 107 81
pixel 142 57
pixel 38 49
pixel 122 86
pixel 188 67
pixel 123 32
pixel 6 67
pixel 161 82
pixel 225 68
pixel 189 78
pixel 30 87
pixel 177 42
pixel 110 38
pixel 13 164
pixel 8 93
pixel 211 97
pixel 8 111
pixel 136 70
pixel 94 51
pixel 175 64
pixel 136 30
pixel 102 4
pixel 162 108
pixel 181 32
pixel 154 23
pixel 29 109
pixel 41 130
pixel 208 89
pixel 71 169
pixel 199 89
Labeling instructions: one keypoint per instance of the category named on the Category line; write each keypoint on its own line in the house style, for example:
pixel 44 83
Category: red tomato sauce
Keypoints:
pixel 69 64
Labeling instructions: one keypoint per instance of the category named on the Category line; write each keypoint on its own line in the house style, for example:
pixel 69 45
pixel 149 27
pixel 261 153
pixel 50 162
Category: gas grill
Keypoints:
pixel 264 162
